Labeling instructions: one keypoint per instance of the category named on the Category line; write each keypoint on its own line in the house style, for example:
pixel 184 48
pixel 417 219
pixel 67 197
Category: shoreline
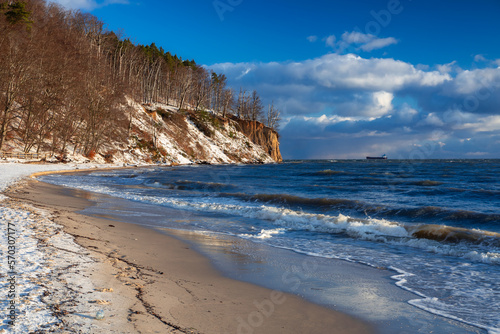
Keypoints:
pixel 191 298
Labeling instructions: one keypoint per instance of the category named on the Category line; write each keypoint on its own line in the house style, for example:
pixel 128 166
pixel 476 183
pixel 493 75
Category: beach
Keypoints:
pixel 220 249
pixel 139 280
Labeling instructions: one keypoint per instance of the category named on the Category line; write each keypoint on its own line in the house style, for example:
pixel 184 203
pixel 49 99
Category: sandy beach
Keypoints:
pixel 141 281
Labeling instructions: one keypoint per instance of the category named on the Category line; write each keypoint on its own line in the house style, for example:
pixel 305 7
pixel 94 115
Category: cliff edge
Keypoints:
pixel 163 133
pixel 261 135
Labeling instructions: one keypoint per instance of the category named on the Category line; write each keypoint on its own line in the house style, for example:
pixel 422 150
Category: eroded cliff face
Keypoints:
pixel 162 133
pixel 261 135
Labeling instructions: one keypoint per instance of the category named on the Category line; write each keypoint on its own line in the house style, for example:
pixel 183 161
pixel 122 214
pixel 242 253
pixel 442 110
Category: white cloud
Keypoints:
pixel 312 39
pixel 422 67
pixel 330 41
pixel 325 120
pixel 347 85
pixel 476 90
pixel 484 124
pixel 243 73
pixel 378 43
pixel 448 68
pixel 359 40
pixel 382 103
pixel 406 113
pixel 338 72
pixel 431 120
pixel 357 37
pixel 479 58
pixel 376 101
pixel 87 4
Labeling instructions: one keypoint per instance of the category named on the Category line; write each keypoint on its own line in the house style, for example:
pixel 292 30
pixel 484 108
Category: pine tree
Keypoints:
pixel 17 13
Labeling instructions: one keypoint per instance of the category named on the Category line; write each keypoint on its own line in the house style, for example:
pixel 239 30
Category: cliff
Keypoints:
pixel 261 135
pixel 162 133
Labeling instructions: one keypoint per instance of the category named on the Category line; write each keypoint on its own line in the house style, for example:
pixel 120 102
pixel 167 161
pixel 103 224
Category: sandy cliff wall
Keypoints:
pixel 261 135
pixel 168 135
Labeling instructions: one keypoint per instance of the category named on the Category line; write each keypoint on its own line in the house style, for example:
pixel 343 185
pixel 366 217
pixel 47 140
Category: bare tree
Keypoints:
pixel 15 62
pixel 273 117
pixel 202 88
pixel 219 82
pixel 227 101
pixel 183 83
pixel 256 107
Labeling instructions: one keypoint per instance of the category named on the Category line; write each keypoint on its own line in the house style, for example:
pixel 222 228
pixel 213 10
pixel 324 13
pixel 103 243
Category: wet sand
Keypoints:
pixel 149 282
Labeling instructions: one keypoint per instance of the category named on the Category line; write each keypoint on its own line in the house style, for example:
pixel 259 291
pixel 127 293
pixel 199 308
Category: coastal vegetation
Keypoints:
pixel 65 81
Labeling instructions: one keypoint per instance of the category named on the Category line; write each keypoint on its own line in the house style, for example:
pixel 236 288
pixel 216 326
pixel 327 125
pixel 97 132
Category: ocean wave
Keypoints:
pixel 379 211
pixel 330 172
pixel 190 185
pixel 485 247
pixel 451 234
pixel 264 234
pixel 297 200
pixel 470 244
pixel 196 185
pixel 430 212
pixel 370 229
pixel 426 183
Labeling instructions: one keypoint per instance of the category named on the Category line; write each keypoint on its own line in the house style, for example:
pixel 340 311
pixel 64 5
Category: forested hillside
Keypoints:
pixel 66 83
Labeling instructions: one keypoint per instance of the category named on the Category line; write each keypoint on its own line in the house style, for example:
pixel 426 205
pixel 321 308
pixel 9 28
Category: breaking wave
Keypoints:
pixel 426 212
pixel 193 185
pixel 469 244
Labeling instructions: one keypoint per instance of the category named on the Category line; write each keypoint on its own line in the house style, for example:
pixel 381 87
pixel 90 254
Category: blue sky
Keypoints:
pixel 409 78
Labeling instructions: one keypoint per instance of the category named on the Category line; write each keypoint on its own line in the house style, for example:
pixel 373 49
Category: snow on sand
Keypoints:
pixel 26 261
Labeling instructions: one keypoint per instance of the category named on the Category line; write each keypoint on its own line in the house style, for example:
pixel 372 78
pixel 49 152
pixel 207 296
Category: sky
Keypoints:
pixel 412 79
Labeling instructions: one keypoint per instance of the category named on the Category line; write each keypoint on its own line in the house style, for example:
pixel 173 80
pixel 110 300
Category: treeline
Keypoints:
pixel 64 79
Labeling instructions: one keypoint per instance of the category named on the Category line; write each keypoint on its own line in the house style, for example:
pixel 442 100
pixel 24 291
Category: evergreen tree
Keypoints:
pixel 16 12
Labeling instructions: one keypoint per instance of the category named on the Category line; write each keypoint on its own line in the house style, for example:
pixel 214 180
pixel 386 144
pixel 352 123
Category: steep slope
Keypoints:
pixel 162 133
pixel 261 135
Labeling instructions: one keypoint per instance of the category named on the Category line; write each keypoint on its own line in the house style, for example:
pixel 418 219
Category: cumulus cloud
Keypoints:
pixel 382 103
pixel 358 41
pixel 330 41
pixel 479 58
pixel 336 72
pixel 475 81
pixel 431 120
pixel 88 4
pixel 378 43
pixel 448 68
pixel 376 105
pixel 484 124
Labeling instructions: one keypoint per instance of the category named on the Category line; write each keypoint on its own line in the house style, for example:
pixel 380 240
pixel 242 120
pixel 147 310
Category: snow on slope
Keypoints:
pixel 161 133
pixel 183 142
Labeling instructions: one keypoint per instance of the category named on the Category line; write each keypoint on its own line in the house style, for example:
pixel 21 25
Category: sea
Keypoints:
pixel 435 224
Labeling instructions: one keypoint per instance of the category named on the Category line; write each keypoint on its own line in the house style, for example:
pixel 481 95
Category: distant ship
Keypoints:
pixel 384 157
